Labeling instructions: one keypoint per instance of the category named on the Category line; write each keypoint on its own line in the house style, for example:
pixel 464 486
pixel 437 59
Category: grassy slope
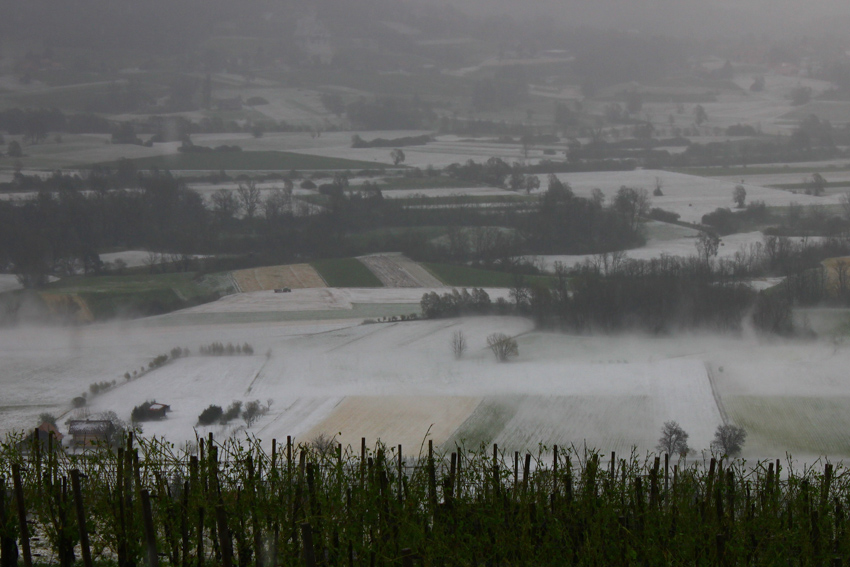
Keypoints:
pixel 246 161
pixel 144 294
pixel 474 277
pixel 346 272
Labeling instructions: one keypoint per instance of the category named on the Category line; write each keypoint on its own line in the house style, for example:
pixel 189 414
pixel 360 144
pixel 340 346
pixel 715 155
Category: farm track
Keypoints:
pixel 419 337
pixel 360 338
pixel 717 399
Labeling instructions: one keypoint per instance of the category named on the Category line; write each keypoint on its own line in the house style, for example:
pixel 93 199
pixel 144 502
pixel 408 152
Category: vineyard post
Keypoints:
pixel 653 487
pixel 407 557
pixel 309 551
pixel 81 517
pixel 184 526
pixel 730 494
pixel 150 531
pixel 255 523
pixel 400 476
pixel 432 477
pixel 458 493
pixel 497 485
pixel 555 471
pixel 666 474
pixel 225 544
pixel 526 472
pixel 452 475
pixel 8 549
pixel 516 473
pixel 827 480
pixel 22 514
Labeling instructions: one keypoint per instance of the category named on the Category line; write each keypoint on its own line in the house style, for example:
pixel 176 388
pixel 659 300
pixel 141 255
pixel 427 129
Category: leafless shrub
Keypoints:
pixel 503 346
pixel 459 344
pixel 323 444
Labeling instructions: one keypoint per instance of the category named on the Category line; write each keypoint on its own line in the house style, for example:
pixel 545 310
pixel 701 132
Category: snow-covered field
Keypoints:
pixel 395 380
pixel 446 192
pixel 9 282
pixel 656 248
pixel 688 195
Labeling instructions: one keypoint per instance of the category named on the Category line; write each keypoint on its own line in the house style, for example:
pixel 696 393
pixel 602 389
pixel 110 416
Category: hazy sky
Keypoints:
pixel 686 16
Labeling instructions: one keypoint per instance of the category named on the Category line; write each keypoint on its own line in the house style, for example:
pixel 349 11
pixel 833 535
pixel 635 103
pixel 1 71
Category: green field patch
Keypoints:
pixel 346 272
pixel 268 160
pixel 486 422
pixel 465 276
pixel 135 295
pixel 797 425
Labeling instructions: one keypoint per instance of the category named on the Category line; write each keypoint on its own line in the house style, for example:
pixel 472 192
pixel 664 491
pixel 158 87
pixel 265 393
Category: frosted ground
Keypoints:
pixel 397 381
pixel 688 195
pixel 685 246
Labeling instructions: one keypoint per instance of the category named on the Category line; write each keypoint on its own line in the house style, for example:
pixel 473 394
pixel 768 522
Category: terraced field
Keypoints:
pixel 396 270
pixel 293 276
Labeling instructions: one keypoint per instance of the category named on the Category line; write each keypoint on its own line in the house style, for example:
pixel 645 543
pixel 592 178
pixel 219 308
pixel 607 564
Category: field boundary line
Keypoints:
pixel 454 323
pixel 235 282
pixel 360 338
pixel 720 407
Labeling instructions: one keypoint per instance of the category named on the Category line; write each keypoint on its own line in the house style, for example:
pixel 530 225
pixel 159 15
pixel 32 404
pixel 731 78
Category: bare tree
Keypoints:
pixel 323 444
pixel 459 344
pixel 249 194
pixel 503 346
pixel 673 440
pixel 729 439
pixel 278 202
pixel 225 204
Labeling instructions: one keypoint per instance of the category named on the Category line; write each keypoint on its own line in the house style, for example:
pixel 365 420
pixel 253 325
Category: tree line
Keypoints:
pixel 63 226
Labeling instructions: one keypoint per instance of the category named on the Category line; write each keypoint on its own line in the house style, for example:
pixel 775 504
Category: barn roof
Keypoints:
pixel 89 427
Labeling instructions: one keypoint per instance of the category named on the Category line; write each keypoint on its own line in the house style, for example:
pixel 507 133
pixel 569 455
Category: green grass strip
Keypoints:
pixel 464 276
pixel 346 272
pixel 214 161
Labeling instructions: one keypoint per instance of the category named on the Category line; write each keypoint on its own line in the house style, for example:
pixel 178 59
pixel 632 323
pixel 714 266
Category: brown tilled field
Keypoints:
pixel 397 419
pixel 294 276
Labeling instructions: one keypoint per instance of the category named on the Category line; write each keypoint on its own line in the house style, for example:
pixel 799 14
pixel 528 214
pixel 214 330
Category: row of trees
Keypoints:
pixel 62 229
pixel 728 439
pixel 610 293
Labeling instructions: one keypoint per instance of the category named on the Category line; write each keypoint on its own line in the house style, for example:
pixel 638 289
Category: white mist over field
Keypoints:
pixel 400 383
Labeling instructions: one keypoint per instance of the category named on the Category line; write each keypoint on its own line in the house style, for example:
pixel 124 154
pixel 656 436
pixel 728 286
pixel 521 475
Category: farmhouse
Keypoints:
pixel 48 437
pixel 88 433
